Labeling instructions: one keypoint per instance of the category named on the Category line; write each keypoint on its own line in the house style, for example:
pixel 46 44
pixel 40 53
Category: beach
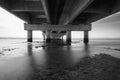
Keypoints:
pixel 97 60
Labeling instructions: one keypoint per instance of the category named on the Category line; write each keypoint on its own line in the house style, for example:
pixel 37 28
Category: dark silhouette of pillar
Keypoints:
pixel 48 38
pixel 86 36
pixel 43 33
pixel 29 36
pixel 62 37
pixel 68 36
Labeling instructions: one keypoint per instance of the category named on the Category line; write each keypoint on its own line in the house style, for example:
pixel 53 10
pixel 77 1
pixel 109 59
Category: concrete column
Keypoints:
pixel 43 33
pixel 48 36
pixel 62 37
pixel 29 36
pixel 86 36
pixel 68 36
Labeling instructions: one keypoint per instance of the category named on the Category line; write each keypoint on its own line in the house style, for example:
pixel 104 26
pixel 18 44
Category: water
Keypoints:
pixel 20 60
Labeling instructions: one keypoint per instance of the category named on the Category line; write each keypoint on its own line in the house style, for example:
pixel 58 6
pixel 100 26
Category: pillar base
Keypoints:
pixel 48 40
pixel 44 39
pixel 29 40
pixel 68 41
pixel 86 40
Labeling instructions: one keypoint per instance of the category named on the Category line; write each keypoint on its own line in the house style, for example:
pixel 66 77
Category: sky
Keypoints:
pixel 11 26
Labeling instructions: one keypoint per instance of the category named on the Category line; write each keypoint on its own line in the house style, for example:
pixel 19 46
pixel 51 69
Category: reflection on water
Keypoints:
pixel 54 62
pixel 86 50
pixel 29 48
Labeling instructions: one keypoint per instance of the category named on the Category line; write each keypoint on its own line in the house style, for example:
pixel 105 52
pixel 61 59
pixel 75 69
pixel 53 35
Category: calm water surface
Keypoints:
pixel 20 60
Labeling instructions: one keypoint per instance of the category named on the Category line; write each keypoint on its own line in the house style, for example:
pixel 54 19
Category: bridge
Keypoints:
pixel 56 18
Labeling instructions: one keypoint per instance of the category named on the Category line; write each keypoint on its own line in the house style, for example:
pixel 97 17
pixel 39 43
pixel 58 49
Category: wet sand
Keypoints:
pixel 53 61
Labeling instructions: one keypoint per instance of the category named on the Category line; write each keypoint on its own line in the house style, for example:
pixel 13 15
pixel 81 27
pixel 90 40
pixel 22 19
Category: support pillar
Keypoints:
pixel 48 38
pixel 43 33
pixel 62 37
pixel 68 40
pixel 86 36
pixel 29 36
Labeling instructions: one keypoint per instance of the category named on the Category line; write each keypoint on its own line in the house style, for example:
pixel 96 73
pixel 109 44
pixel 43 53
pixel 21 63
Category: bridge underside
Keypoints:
pixel 56 16
pixel 57 31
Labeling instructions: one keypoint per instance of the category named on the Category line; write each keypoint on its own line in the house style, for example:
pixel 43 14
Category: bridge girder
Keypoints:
pixel 61 11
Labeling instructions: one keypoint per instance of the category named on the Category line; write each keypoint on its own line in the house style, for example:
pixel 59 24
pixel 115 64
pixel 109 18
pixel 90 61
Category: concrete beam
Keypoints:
pixel 26 10
pixel 45 7
pixel 38 20
pixel 6 5
pixel 32 0
pixel 96 10
pixel 41 16
pixel 96 17
pixel 72 9
pixel 116 7
pixel 23 16
pixel 29 6
pixel 81 27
